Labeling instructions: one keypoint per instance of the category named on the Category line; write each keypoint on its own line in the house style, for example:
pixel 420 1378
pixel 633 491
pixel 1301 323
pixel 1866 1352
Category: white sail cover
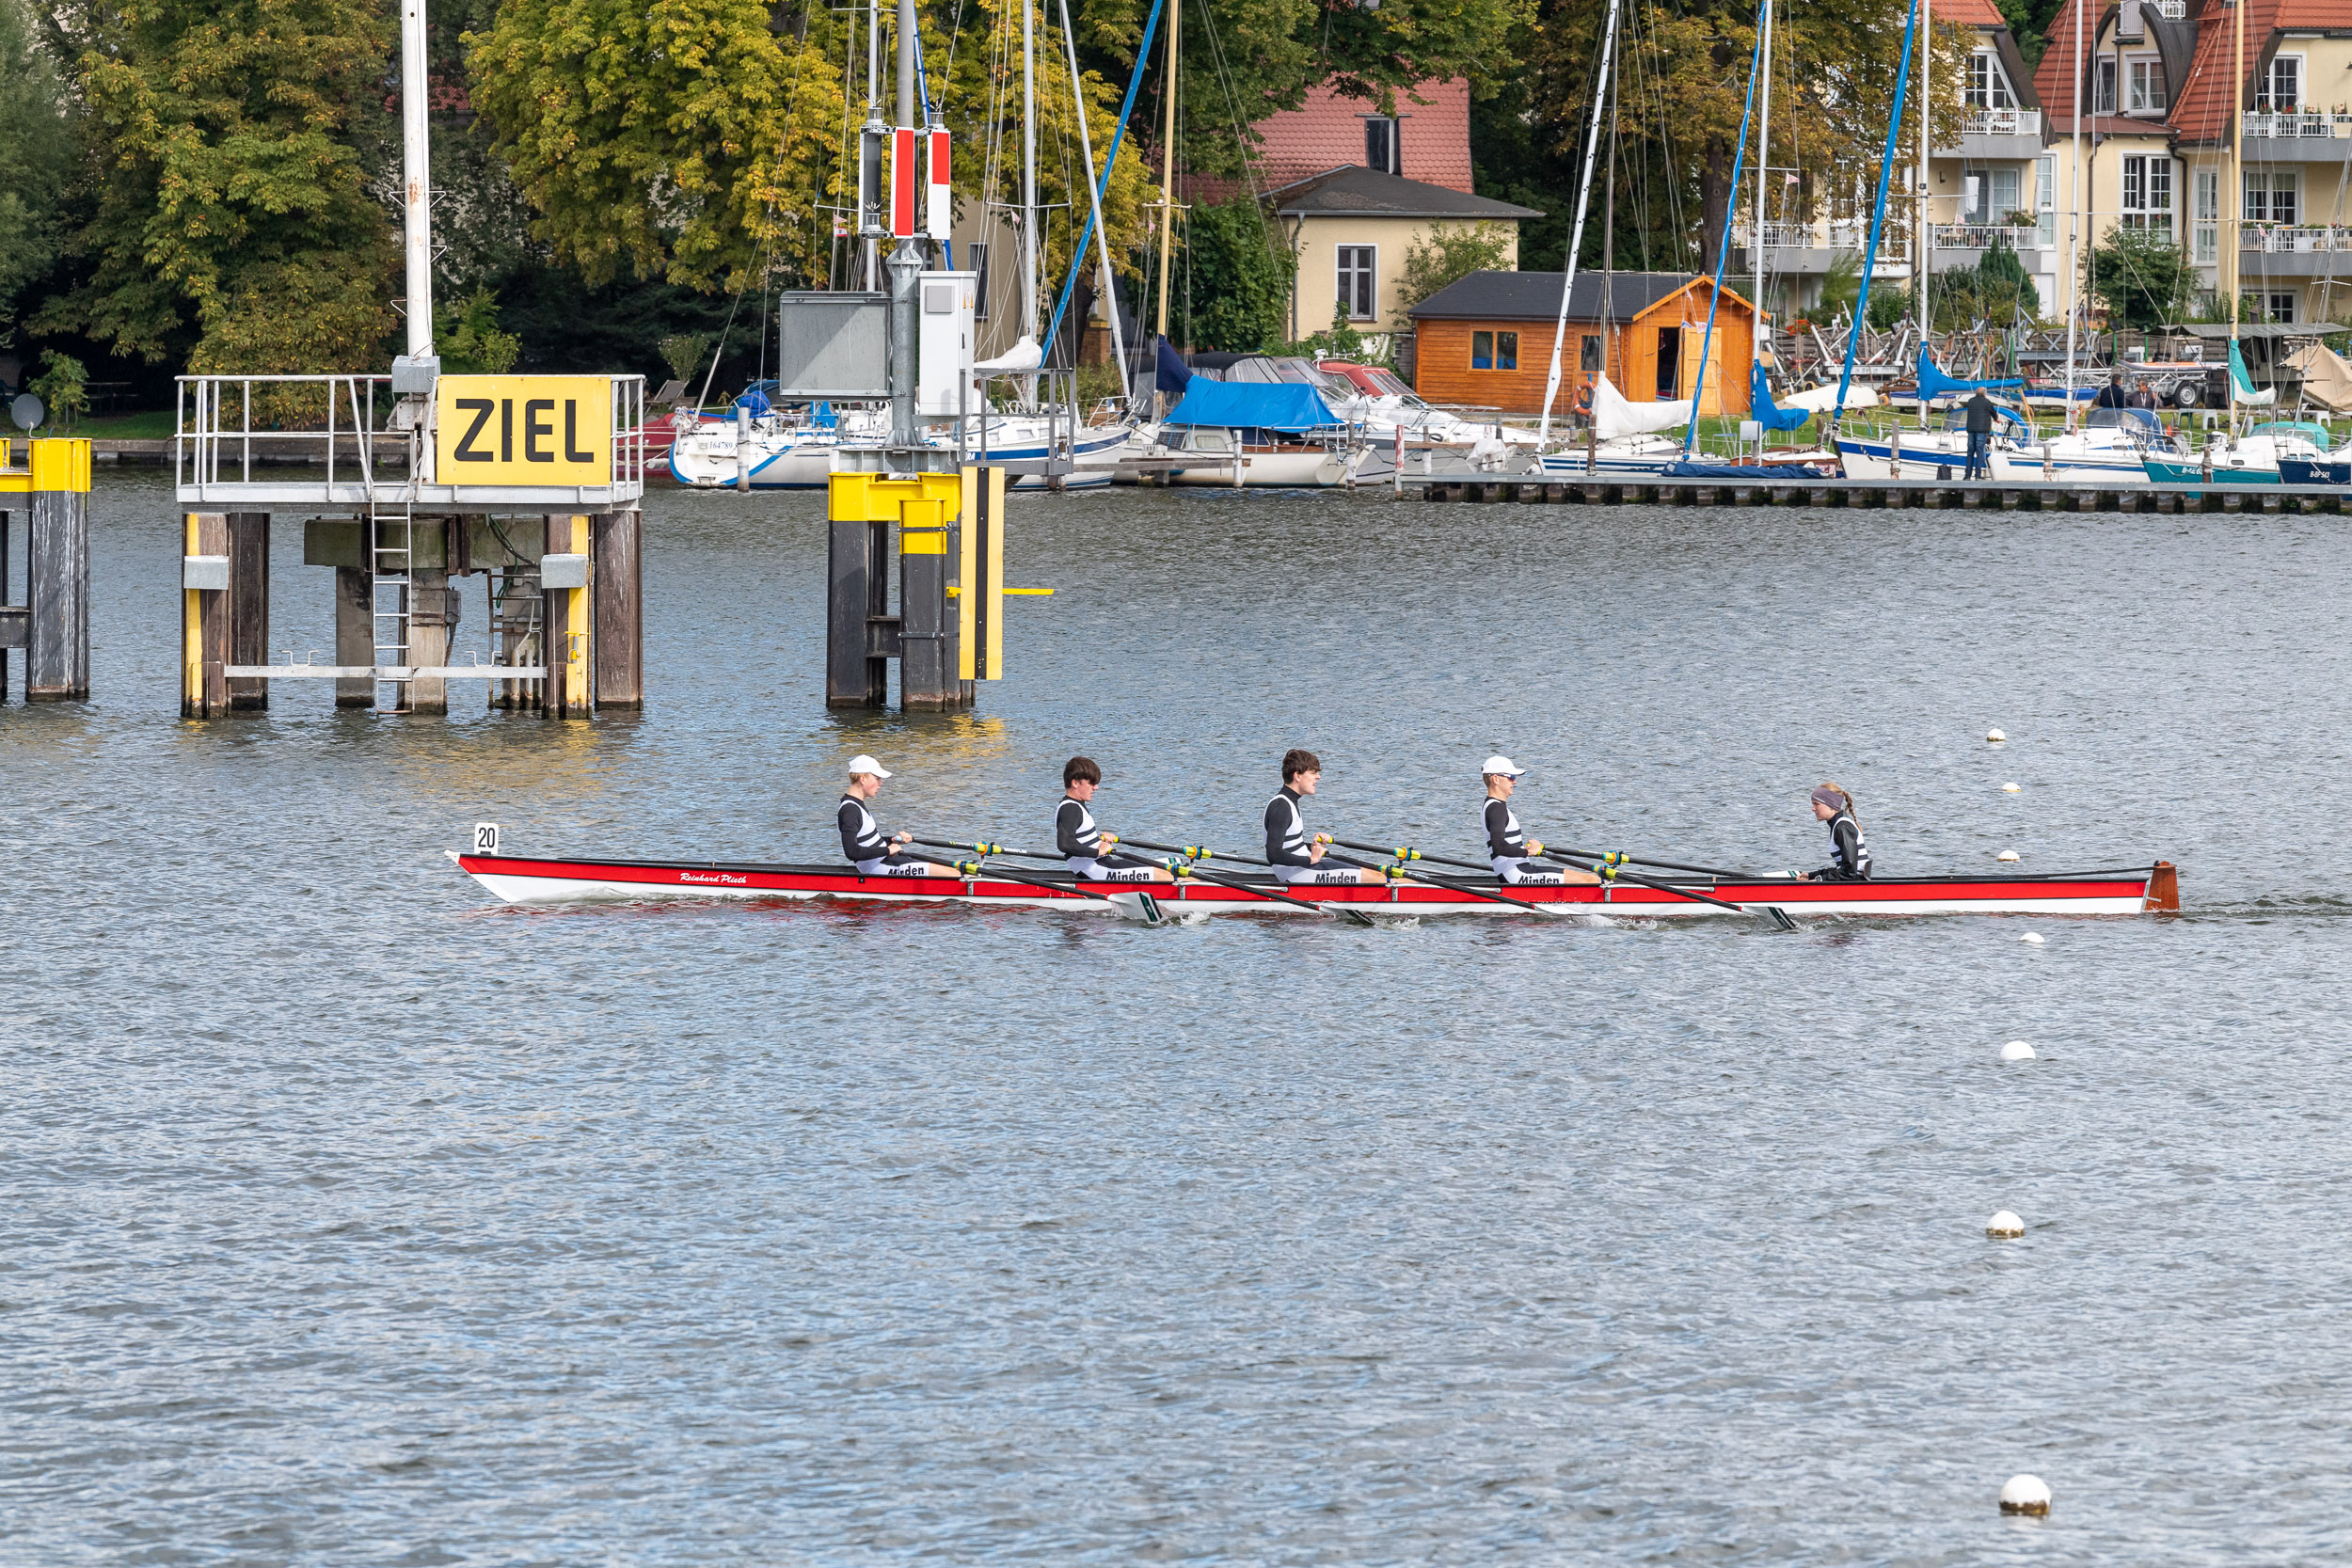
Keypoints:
pixel 1820 400
pixel 1614 415
pixel 1023 355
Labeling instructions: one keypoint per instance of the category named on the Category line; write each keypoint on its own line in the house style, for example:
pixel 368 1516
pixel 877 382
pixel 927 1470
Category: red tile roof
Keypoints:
pixel 1328 131
pixel 2201 106
pixel 1976 13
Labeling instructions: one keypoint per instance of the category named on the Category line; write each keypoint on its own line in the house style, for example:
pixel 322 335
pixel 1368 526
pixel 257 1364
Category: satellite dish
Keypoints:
pixel 26 411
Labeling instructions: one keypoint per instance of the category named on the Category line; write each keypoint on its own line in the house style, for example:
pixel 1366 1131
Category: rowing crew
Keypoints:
pixel 1295 856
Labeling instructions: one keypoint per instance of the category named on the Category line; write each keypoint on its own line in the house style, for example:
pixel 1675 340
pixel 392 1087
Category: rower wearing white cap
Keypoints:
pixel 1509 849
pixel 862 841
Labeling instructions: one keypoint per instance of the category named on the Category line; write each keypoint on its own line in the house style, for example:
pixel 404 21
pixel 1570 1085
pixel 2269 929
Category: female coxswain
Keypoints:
pixel 1295 856
pixel 1087 849
pixel 862 841
pixel 1832 805
pixel 1509 849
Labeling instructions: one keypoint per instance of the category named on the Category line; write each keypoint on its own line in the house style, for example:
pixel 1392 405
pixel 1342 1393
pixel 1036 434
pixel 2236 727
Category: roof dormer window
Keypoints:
pixel 2145 84
pixel 1988 85
pixel 1383 144
pixel 2282 87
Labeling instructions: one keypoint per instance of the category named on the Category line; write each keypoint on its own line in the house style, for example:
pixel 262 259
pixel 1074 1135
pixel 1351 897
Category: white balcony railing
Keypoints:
pixel 2171 10
pixel 2286 124
pixel 1841 235
pixel 2295 242
pixel 2001 123
pixel 1983 236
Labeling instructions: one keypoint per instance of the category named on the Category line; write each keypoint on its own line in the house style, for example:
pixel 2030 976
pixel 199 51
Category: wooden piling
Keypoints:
pixel 246 606
pixel 56 663
pixel 571 609
pixel 204 616
pixel 616 541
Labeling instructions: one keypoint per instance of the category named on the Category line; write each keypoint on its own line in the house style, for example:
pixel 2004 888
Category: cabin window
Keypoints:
pixel 978 254
pixel 1495 351
pixel 1383 144
pixel 2148 193
pixel 1356 280
pixel 2282 87
pixel 1588 356
pixel 1988 86
pixel 2145 84
pixel 2271 196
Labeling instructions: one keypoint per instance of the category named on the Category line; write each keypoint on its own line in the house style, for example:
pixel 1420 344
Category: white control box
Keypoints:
pixel 946 304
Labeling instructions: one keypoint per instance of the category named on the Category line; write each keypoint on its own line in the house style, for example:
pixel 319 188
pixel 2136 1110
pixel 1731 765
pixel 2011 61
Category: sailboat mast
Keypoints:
pixel 1103 239
pixel 1763 168
pixel 1920 234
pixel 2075 227
pixel 873 130
pixel 2235 192
pixel 1028 167
pixel 1167 158
pixel 1576 235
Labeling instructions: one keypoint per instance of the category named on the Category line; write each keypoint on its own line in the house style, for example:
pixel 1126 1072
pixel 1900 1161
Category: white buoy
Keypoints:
pixel 2006 855
pixel 2017 1050
pixel 1994 737
pixel 2026 1495
pixel 2011 788
pixel 2005 1224
pixel 2034 937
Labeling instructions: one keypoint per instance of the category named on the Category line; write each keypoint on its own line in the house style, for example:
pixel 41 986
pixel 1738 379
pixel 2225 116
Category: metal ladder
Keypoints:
pixel 391 544
pixel 519 607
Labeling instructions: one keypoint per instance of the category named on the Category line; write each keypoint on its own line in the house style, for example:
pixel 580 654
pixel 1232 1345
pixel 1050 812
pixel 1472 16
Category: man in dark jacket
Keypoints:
pixel 2111 395
pixel 1980 411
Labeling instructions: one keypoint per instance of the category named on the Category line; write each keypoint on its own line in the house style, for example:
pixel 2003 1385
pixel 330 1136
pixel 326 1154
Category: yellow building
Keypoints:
pixel 1349 231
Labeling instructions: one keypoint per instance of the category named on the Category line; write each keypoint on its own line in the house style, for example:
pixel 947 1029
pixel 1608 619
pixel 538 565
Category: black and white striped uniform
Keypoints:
pixel 866 846
pixel 1852 863
pixel 1507 850
pixel 1286 848
pixel 1080 844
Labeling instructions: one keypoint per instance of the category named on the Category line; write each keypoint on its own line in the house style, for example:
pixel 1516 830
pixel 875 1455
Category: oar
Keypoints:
pixel 1447 882
pixel 1769 912
pixel 1143 906
pixel 1190 852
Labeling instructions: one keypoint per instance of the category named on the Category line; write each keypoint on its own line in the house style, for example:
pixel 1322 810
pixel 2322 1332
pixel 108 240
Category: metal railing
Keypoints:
pixel 2296 241
pixel 2171 10
pixel 1983 236
pixel 2289 125
pixel 370 445
pixel 2001 123
pixel 1839 234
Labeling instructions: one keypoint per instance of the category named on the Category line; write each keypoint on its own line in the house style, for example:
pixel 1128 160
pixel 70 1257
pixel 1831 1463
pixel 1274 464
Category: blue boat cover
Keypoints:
pixel 1935 383
pixel 1688 469
pixel 1253 405
pixel 1760 407
pixel 1170 369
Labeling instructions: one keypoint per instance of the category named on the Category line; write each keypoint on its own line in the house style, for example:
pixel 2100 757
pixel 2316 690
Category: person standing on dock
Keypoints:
pixel 1834 805
pixel 1295 856
pixel 1979 410
pixel 1509 850
pixel 862 841
pixel 2112 395
pixel 1087 849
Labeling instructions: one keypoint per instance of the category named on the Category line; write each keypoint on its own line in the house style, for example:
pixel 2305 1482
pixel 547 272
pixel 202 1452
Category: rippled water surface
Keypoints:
pixel 348 1218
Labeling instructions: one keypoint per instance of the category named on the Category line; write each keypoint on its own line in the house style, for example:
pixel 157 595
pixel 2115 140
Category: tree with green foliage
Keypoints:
pixel 36 149
pixel 229 149
pixel 1230 285
pixel 1449 254
pixel 2141 276
pixel 63 387
pixel 466 335
pixel 1995 292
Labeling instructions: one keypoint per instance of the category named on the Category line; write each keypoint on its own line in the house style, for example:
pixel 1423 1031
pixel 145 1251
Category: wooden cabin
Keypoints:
pixel 1484 341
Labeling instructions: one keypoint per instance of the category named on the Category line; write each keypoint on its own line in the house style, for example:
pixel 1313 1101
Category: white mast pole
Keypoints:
pixel 1029 169
pixel 1601 94
pixel 1919 225
pixel 2074 228
pixel 417 171
pixel 1094 201
pixel 1763 166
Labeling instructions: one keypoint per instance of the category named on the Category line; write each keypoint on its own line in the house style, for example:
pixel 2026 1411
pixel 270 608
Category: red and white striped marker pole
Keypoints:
pixel 902 182
pixel 941 216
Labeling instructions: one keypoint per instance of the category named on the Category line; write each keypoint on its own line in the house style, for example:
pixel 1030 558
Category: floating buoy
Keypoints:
pixel 2026 1495
pixel 1995 736
pixel 2005 1224
pixel 2011 788
pixel 2006 855
pixel 2017 1050
pixel 2034 937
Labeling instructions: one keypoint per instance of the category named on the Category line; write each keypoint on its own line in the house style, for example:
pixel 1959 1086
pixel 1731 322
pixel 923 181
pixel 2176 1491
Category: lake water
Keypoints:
pixel 349 1218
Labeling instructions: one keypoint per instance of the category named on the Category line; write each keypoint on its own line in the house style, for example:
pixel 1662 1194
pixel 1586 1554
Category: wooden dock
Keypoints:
pixel 1965 495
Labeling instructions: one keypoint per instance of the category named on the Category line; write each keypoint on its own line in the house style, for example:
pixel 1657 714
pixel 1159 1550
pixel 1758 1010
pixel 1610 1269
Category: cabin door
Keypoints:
pixel 1669 362
pixel 1710 396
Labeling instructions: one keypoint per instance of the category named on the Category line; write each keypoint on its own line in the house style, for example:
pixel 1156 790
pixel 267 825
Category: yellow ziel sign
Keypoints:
pixel 507 430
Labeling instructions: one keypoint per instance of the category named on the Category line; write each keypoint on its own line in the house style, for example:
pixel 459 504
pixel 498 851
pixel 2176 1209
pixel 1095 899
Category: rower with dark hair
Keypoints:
pixel 1834 805
pixel 1087 849
pixel 1295 856
pixel 863 843
pixel 1509 850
